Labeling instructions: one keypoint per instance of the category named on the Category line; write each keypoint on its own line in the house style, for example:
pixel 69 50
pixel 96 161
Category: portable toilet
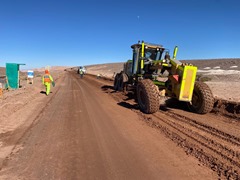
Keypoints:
pixel 12 73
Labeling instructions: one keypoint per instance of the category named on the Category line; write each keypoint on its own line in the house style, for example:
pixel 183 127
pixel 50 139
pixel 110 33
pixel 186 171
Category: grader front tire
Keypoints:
pixel 202 100
pixel 148 96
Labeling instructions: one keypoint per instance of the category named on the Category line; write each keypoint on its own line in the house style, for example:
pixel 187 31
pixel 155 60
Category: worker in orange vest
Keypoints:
pixel 47 80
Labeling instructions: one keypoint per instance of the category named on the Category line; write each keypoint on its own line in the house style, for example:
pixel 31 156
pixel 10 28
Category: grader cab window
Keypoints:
pixel 153 54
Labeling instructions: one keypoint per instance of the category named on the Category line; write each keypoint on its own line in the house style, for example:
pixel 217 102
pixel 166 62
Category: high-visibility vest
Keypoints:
pixel 47 78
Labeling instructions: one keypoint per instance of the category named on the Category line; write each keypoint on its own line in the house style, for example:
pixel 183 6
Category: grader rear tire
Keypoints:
pixel 148 96
pixel 123 79
pixel 202 100
pixel 116 82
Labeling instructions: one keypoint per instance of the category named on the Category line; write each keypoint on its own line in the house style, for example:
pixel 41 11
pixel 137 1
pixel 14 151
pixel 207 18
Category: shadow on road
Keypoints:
pixel 128 105
pixel 129 100
pixel 43 92
pixel 175 104
pixel 106 87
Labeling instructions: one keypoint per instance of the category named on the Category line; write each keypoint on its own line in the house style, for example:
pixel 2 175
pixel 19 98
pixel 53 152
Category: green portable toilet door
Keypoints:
pixel 12 72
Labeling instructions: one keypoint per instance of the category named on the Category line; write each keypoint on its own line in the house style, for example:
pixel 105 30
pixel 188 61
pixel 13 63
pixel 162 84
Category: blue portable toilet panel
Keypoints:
pixel 30 74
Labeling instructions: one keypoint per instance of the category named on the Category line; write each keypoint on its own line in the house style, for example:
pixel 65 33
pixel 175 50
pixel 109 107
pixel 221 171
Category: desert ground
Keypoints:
pixel 85 129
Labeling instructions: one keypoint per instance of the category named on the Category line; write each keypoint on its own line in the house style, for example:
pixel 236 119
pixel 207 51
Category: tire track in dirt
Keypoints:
pixel 227 159
pixel 213 131
pixel 214 148
pixel 219 161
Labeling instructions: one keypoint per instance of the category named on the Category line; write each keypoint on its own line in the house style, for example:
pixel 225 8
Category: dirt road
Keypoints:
pixel 82 133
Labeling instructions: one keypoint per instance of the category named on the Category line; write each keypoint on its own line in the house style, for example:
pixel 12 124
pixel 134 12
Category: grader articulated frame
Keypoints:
pixel 152 73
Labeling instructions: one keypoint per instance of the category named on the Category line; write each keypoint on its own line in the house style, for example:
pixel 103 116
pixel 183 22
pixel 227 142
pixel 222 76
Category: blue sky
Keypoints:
pixel 84 32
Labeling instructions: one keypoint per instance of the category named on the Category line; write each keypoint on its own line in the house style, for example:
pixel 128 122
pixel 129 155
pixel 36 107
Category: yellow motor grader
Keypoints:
pixel 152 73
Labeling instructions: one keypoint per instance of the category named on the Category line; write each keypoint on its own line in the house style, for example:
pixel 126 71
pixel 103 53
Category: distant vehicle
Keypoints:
pixel 83 69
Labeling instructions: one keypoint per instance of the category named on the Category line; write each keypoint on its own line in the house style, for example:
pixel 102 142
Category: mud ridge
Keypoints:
pixel 227 108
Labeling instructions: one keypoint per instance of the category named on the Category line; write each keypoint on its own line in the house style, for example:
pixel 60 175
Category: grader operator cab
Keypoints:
pixel 152 73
